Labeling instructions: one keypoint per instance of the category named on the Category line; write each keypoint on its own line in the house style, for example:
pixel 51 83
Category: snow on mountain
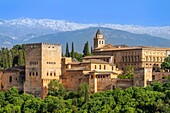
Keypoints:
pixel 20 27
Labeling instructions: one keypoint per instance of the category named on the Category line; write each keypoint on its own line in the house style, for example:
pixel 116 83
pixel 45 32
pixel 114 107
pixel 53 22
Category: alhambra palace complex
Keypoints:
pixel 45 63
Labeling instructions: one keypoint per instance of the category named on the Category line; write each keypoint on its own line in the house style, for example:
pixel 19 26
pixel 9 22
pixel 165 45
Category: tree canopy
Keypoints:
pixel 151 99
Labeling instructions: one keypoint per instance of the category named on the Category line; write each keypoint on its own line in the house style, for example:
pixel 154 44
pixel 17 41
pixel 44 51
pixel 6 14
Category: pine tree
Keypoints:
pixel 72 51
pixel 91 49
pixel 67 51
pixel 86 49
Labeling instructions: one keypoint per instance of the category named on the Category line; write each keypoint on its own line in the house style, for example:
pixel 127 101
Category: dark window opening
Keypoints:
pixel 10 79
pixel 153 77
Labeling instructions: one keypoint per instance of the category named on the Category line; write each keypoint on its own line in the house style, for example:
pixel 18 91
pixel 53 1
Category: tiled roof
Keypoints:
pixel 79 69
pixel 95 61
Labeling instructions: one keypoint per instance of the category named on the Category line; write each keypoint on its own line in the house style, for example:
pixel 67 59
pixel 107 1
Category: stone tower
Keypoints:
pixel 99 39
pixel 43 64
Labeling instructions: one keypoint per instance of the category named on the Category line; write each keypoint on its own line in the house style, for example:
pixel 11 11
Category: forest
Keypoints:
pixel 151 99
pixel 12 57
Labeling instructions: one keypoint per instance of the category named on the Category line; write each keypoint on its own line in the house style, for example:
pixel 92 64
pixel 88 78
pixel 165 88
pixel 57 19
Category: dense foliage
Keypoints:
pixel 129 73
pixel 12 57
pixel 166 63
pixel 151 99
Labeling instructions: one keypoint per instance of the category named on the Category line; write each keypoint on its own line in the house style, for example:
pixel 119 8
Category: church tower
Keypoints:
pixel 99 39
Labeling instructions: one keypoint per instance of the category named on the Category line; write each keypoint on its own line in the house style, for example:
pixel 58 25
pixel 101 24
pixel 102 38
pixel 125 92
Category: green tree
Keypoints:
pixel 72 51
pixel 166 63
pixel 86 49
pixel 84 91
pixel 67 54
pixel 78 56
pixel 21 58
pixel 91 50
pixel 55 88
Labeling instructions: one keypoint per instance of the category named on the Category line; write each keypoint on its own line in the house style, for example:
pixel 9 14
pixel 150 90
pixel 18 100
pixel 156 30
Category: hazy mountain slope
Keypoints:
pixel 79 37
pixel 6 41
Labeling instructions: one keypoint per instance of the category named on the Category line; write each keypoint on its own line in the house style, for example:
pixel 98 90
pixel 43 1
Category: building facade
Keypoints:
pixel 137 56
pixel 43 64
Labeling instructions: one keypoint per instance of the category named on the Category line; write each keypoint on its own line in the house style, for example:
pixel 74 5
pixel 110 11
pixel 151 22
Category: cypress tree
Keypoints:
pixel 21 58
pixel 67 51
pixel 91 49
pixel 86 49
pixel 72 51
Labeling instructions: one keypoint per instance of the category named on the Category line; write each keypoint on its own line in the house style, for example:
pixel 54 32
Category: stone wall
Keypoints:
pixel 12 79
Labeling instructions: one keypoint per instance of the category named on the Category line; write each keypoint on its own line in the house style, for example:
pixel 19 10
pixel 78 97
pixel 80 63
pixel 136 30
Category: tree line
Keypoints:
pixel 12 57
pixel 78 56
pixel 151 99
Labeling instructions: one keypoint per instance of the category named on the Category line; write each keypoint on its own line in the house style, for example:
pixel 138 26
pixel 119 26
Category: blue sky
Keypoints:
pixel 139 12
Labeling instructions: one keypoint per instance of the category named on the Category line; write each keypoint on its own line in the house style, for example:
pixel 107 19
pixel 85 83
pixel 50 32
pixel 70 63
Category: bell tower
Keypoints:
pixel 99 39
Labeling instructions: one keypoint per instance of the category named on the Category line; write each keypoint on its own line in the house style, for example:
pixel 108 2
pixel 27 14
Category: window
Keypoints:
pixel 100 67
pixel 36 73
pixel 33 74
pixel 104 67
pixel 30 73
pixel 95 66
pixel 10 79
pixel 54 74
pixel 112 68
pixel 47 73
pixel 50 74
pixel 153 77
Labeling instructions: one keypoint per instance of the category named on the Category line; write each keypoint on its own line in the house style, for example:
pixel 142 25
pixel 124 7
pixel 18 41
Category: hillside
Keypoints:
pixel 116 37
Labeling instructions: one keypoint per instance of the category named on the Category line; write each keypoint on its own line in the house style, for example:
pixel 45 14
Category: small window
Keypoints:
pixel 30 73
pixel 112 68
pixel 104 67
pixel 10 79
pixel 50 74
pixel 95 67
pixel 33 74
pixel 54 74
pixel 100 67
pixel 47 73
pixel 153 77
pixel 36 73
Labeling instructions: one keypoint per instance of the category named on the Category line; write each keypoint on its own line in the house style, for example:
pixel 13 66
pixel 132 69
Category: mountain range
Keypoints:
pixel 27 30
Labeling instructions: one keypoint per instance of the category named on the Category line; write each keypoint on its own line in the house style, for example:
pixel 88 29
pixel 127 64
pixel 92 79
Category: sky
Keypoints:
pixel 138 12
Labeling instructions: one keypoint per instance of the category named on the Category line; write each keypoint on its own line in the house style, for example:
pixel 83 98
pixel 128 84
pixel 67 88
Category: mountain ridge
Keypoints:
pixel 64 25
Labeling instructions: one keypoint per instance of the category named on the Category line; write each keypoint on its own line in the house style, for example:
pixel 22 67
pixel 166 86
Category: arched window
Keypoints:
pixel 95 67
pixel 10 79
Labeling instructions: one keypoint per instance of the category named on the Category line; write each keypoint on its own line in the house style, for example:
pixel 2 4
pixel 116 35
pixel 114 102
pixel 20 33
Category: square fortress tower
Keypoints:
pixel 43 64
